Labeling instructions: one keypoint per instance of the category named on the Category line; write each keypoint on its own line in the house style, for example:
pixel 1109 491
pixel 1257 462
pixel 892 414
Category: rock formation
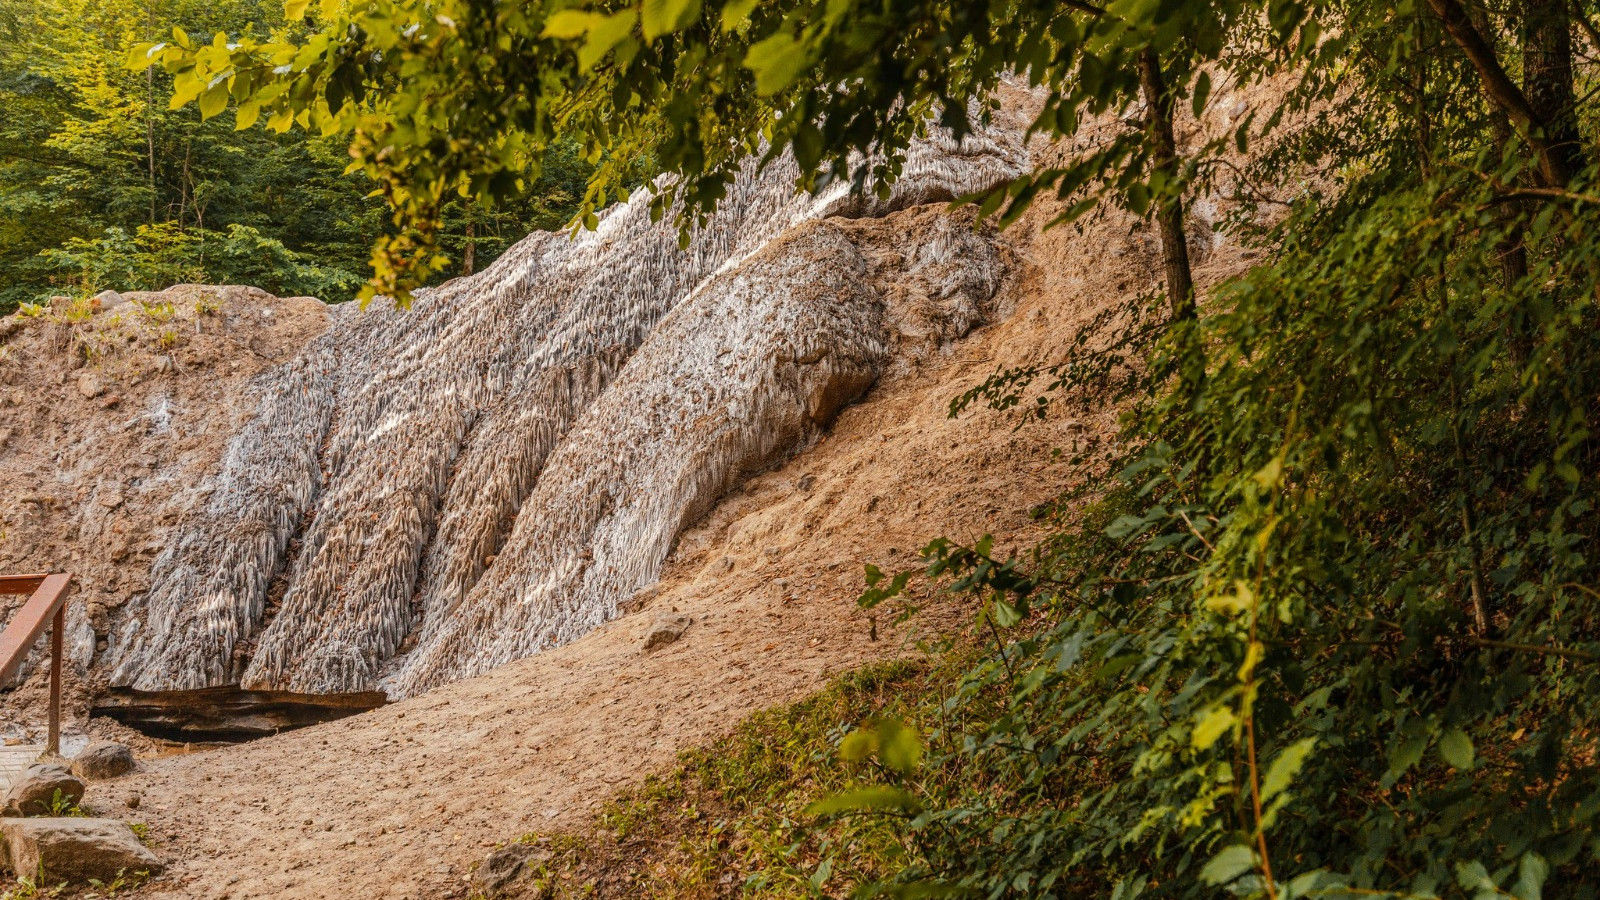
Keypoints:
pixel 437 491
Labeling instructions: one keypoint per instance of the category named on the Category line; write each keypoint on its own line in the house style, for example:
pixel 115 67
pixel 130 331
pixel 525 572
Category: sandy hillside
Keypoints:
pixel 404 800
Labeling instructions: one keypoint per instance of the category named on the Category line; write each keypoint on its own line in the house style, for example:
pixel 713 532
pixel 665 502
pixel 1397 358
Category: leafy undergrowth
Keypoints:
pixel 731 819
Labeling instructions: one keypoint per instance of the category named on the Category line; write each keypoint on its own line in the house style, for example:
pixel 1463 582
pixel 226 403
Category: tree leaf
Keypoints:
pixel 1456 749
pixel 858 745
pixel 1532 870
pixel 569 23
pixel 661 17
pixel 777 62
pixel 1202 92
pixel 876 798
pixel 604 34
pixel 898 746
pixel 1283 769
pixel 1005 615
pixel 735 12
pixel 1211 726
pixel 213 100
pixel 1233 861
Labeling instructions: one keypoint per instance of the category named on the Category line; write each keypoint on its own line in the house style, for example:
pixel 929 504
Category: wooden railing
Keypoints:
pixel 48 604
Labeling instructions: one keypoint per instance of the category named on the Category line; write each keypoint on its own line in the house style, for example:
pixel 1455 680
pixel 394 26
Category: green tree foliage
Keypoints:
pixel 1337 634
pixel 698 89
pixel 105 184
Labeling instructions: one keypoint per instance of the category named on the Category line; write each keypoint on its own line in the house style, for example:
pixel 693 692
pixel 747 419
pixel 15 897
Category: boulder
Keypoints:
pixel 666 629
pixel 74 850
pixel 103 759
pixel 90 385
pixel 107 300
pixel 35 792
pixel 506 866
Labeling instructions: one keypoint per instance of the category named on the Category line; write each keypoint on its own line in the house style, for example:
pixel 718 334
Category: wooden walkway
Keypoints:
pixel 15 760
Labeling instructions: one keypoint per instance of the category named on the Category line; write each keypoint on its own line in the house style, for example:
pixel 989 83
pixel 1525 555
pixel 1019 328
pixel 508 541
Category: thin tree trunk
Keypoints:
pixel 1547 77
pixel 1159 104
pixel 1184 328
pixel 1512 254
pixel 469 256
pixel 150 134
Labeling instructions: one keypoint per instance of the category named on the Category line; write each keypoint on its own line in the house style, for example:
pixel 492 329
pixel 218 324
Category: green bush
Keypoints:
pixel 158 256
pixel 1337 632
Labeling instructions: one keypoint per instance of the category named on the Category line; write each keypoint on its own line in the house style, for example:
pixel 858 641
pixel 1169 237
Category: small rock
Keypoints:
pixel 90 385
pixel 665 630
pixel 103 759
pixel 806 483
pixel 506 866
pixel 55 850
pixel 107 300
pixel 35 791
pixel 133 800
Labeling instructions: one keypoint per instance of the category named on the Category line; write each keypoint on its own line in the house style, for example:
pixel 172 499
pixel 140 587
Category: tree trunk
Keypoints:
pixel 1184 329
pixel 1547 78
pixel 469 256
pixel 1554 164
pixel 1159 104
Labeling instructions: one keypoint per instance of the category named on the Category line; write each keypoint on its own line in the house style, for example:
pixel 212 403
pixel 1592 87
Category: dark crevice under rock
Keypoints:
pixel 228 713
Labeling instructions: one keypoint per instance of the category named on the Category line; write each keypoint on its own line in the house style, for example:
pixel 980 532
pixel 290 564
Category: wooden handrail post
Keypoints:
pixel 57 628
pixel 47 604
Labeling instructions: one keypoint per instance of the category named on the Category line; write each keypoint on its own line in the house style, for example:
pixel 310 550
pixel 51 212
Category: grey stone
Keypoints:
pixel 666 629
pixel 35 791
pixel 109 300
pixel 506 866
pixel 103 759
pixel 74 850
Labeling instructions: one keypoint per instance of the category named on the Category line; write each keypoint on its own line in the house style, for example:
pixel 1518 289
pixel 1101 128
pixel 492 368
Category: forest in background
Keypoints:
pixel 104 186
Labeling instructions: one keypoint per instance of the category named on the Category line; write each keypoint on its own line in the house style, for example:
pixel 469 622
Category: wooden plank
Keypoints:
pixel 30 622
pixel 20 584
pixel 14 760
